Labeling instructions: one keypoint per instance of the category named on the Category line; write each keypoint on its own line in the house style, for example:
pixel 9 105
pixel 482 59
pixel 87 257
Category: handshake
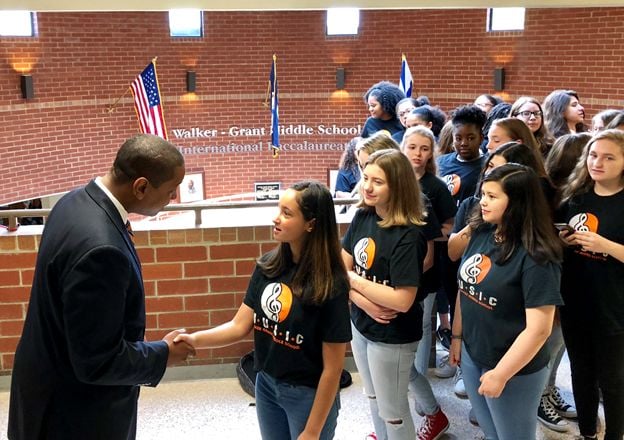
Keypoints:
pixel 180 348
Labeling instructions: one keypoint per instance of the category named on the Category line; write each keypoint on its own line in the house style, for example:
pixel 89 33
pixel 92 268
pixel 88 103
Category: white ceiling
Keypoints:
pixel 158 5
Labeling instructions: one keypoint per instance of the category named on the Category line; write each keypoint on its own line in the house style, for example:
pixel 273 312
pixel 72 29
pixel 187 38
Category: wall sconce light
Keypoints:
pixel 499 79
pixel 340 78
pixel 190 81
pixel 26 83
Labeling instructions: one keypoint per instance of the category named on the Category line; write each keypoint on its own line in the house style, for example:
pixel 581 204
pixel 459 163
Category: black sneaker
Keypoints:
pixel 561 406
pixel 547 415
pixel 444 336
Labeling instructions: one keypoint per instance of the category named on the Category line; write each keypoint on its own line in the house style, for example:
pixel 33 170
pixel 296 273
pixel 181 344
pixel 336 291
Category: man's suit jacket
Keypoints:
pixel 82 353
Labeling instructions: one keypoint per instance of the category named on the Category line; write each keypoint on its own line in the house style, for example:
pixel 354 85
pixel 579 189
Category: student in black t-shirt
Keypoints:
pixel 381 100
pixel 508 281
pixel 297 305
pixel 384 251
pixel 592 282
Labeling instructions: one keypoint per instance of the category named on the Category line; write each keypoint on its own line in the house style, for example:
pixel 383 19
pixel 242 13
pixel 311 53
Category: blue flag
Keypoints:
pixel 275 143
pixel 406 82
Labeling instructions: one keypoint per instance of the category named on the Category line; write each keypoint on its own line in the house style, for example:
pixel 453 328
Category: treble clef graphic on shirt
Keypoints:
pixel 475 268
pixel 584 222
pixel 276 301
pixel 271 301
pixel 580 223
pixel 364 252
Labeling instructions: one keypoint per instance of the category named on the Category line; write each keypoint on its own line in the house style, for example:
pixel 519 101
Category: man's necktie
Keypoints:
pixel 129 229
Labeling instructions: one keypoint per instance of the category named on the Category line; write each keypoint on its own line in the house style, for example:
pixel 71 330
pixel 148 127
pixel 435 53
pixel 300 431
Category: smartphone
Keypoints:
pixel 565 227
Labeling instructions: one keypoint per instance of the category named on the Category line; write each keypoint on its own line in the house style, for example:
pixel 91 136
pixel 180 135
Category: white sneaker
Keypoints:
pixel 444 370
pixel 459 388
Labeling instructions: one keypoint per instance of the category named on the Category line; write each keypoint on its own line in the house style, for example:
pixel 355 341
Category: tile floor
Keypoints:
pixel 219 409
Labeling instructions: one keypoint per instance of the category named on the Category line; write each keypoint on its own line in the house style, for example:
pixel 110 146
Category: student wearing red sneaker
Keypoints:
pixel 384 251
pixel 508 289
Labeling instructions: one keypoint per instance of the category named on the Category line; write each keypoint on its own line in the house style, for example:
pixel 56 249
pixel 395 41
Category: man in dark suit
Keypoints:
pixel 82 355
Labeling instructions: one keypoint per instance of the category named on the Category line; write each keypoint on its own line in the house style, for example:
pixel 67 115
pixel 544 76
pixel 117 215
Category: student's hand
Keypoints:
pixel 492 384
pixel 189 338
pixel 590 241
pixel 455 352
pixel 382 315
pixel 306 436
pixel 178 351
pixel 567 237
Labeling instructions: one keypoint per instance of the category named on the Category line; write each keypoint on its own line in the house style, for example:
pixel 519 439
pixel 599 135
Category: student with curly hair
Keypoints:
pixel 348 170
pixel 591 283
pixel 563 113
pixel 382 99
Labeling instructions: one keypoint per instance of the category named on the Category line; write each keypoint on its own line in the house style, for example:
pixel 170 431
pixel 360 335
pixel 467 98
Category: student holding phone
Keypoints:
pixel 592 279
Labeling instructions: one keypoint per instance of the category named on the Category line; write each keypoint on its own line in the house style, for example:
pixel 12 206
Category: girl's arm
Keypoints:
pixel 398 298
pixel 224 334
pixel 539 322
pixel 381 314
pixel 456 334
pixel 333 361
pixel 458 242
pixel 447 228
pixel 428 263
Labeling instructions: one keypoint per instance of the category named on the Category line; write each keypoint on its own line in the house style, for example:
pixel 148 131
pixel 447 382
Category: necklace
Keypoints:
pixel 498 238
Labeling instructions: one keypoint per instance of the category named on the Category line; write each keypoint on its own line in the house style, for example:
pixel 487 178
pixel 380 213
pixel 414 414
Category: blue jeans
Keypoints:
pixel 283 409
pixel 556 348
pixel 512 415
pixel 385 370
pixel 419 385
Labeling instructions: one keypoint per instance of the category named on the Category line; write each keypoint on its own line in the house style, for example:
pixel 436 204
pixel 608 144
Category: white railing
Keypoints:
pixel 14 214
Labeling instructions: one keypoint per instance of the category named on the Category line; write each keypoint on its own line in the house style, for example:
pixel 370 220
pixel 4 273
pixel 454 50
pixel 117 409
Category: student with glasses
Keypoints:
pixel 529 111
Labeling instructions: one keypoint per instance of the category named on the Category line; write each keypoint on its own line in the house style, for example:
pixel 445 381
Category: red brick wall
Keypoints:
pixel 193 278
pixel 82 62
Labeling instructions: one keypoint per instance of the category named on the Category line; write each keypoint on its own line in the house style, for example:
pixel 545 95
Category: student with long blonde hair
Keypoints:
pixel 383 251
pixel 593 275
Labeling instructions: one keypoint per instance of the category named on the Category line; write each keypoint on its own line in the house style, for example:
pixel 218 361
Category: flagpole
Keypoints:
pixel 111 108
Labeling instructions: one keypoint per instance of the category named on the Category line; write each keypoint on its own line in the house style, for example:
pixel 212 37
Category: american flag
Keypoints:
pixel 147 102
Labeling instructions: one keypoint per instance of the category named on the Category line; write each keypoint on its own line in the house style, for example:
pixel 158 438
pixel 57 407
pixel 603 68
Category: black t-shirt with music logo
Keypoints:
pixel 494 298
pixel 391 256
pixel 592 284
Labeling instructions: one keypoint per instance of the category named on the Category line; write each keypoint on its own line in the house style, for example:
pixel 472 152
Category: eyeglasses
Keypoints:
pixel 527 114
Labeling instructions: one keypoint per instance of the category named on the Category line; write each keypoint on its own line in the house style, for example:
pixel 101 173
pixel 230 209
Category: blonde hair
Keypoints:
pixel 430 166
pixel 580 181
pixel 405 204
pixel 379 141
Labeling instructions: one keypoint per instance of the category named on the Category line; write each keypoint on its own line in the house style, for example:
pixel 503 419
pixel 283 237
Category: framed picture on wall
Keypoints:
pixel 192 188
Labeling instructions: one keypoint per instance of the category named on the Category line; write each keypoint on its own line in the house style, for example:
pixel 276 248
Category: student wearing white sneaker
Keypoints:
pixel 508 289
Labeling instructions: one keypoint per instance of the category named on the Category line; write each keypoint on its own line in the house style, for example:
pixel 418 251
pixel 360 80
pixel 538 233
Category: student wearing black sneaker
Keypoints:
pixel 508 289
pixel 593 275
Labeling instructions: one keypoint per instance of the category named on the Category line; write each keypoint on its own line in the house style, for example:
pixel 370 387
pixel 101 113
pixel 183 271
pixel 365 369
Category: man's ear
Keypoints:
pixel 139 187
